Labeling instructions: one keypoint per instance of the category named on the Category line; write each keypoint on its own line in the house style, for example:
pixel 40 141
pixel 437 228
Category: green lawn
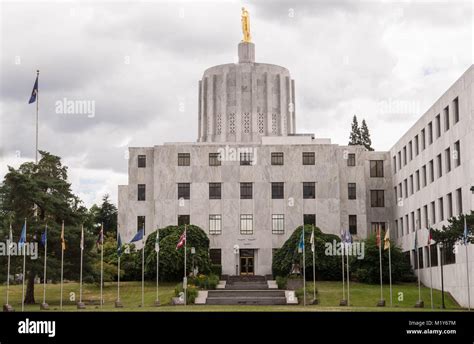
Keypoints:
pixel 363 298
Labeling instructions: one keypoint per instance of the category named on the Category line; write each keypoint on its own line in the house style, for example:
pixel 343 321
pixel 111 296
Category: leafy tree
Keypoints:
pixel 106 214
pixel 328 267
pixel 454 232
pixel 41 194
pixel 365 136
pixel 355 137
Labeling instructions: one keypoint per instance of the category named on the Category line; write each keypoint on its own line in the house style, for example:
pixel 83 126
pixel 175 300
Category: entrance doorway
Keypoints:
pixel 247 262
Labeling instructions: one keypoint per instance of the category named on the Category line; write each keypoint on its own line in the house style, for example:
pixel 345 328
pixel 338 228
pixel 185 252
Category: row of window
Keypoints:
pixel 424 256
pixel 430 214
pixel 377 197
pixel 420 179
pixel 246 223
pixel 413 147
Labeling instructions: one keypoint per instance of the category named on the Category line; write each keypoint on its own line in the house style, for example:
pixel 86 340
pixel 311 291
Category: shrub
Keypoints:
pixel 206 282
pixel 216 269
pixel 281 282
pixel 191 292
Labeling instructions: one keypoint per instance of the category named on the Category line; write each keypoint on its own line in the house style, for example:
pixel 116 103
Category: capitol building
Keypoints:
pixel 250 179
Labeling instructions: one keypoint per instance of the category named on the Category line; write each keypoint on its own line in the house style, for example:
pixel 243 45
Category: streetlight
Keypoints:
pixel 236 253
pixel 441 248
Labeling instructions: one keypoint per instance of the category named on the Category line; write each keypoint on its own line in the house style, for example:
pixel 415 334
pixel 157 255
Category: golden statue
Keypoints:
pixel 246 25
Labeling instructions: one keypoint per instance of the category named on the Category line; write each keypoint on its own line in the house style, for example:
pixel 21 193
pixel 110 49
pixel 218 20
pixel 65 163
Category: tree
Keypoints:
pixel 454 232
pixel 106 214
pixel 355 135
pixel 41 194
pixel 365 136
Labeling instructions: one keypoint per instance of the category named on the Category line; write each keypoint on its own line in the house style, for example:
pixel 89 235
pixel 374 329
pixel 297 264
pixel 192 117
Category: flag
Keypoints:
pixel 182 240
pixel 416 241
pixel 22 236
pixel 157 242
pixel 311 240
pixel 465 236
pixel 348 238
pixel 301 242
pixel 378 236
pixel 81 245
pixel 119 245
pixel 10 244
pixel 44 237
pixel 100 238
pixel 138 236
pixel 386 240
pixel 34 92
pixel 63 243
pixel 429 236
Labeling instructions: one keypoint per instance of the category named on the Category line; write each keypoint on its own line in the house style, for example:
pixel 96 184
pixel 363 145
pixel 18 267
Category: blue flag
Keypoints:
pixel 343 236
pixel 348 237
pixel 22 236
pixel 119 245
pixel 138 236
pixel 301 243
pixel 465 236
pixel 34 92
pixel 44 237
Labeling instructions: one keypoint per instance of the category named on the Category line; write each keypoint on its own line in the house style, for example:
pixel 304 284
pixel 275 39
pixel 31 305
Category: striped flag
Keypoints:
pixel 386 240
pixel 63 242
pixel 181 241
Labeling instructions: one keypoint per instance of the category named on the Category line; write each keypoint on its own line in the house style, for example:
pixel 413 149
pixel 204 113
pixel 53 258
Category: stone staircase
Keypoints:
pixel 246 290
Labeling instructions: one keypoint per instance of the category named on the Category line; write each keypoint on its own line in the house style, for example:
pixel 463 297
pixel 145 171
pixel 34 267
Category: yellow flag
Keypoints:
pixel 63 243
pixel 386 240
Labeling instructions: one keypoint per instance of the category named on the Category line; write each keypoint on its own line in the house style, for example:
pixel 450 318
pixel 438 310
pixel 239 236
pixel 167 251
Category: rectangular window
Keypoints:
pixel 405 184
pixel 309 190
pixel 430 133
pixel 278 224
pixel 401 226
pixel 434 255
pixel 423 139
pixel 447 156
pixel 418 218
pixel 277 158
pixel 450 205
pixel 412 215
pixel 441 208
pixel 246 159
pixel 400 190
pixel 214 159
pixel 141 161
pixel 404 155
pixel 394 164
pixel 141 223
pixel 215 255
pixel 183 220
pixel 399 161
pixel 309 219
pixel 412 189
pixel 433 213
pixel 410 150
pixel 351 190
pixel 351 159
pixel 184 191
pixel 278 191
pixel 377 198
pixel 141 192
pixel 374 226
pixel 440 166
pixel 449 255
pixel 425 179
pixel 457 154
pixel 245 190
pixel 420 257
pixel 215 224
pixel 438 126
pixel 376 168
pixel 407 224
pixel 446 118
pixel 214 190
pixel 353 224
pixel 431 171
pixel 456 110
pixel 459 201
pixel 308 158
pixel 184 159
pixel 417 147
pixel 246 224
pixel 418 183
pixel 427 219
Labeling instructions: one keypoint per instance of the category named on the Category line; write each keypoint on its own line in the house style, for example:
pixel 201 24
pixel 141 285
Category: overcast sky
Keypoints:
pixel 139 64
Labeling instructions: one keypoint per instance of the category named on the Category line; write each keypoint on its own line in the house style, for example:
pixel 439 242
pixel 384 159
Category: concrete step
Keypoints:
pixel 245 293
pixel 251 278
pixel 246 300
pixel 246 286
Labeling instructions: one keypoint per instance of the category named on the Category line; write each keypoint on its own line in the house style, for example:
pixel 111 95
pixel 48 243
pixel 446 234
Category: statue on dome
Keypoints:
pixel 246 25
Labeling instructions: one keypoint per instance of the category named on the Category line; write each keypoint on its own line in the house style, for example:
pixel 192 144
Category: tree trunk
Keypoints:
pixel 30 289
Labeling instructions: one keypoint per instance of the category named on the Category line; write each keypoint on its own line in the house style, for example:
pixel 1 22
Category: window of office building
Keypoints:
pixel 449 257
pixel 214 190
pixel 245 190
pixel 374 226
pixel 351 159
pixel 246 159
pixel 215 255
pixel 278 224
pixel 410 151
pixel 418 184
pixel 215 224
pixel 277 158
pixel 447 156
pixel 377 198
pixel 184 191
pixel 183 220
pixel 278 191
pixel 214 159
pixel 434 254
pixel 438 126
pixel 457 154
pixel 441 208
pixel 353 224
pixel 309 190
pixel 141 223
pixel 309 219
pixel 440 166
pixel 423 139
pixel 446 118
pixel 308 158
pixel 431 165
pixel 459 201
pixel 417 147
pixel 246 224
pixel 141 192
pixel 184 159
pixel 141 159
pixel 433 213
pixel 430 133
pixel 425 180
pixel 411 185
pixel 394 164
pixel 449 198
pixel 405 155
pixel 351 190
pixel 376 168
pixel 456 110
pixel 427 219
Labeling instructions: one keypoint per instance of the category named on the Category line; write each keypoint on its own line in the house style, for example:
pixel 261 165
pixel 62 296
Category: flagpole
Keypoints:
pixel 37 108
pixel 431 272
pixel 44 306
pixel 347 267
pixel 419 304
pixel 157 249
pixel 467 266
pixel 80 305
pixel 118 304
pixel 24 266
pixel 185 280
pixel 304 269
pixel 101 265
pixel 390 264
pixel 342 303
pixel 380 262
pixel 62 265
pixel 143 266
pixel 314 267
pixel 7 305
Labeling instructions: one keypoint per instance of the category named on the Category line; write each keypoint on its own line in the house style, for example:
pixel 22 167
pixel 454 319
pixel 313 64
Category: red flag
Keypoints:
pixel 182 240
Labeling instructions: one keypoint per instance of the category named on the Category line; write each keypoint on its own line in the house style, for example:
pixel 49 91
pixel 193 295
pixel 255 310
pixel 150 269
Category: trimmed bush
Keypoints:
pixel 281 282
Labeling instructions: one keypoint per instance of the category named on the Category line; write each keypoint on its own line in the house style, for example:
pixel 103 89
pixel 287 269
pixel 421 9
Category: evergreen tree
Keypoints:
pixel 365 136
pixel 355 135
pixel 106 214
